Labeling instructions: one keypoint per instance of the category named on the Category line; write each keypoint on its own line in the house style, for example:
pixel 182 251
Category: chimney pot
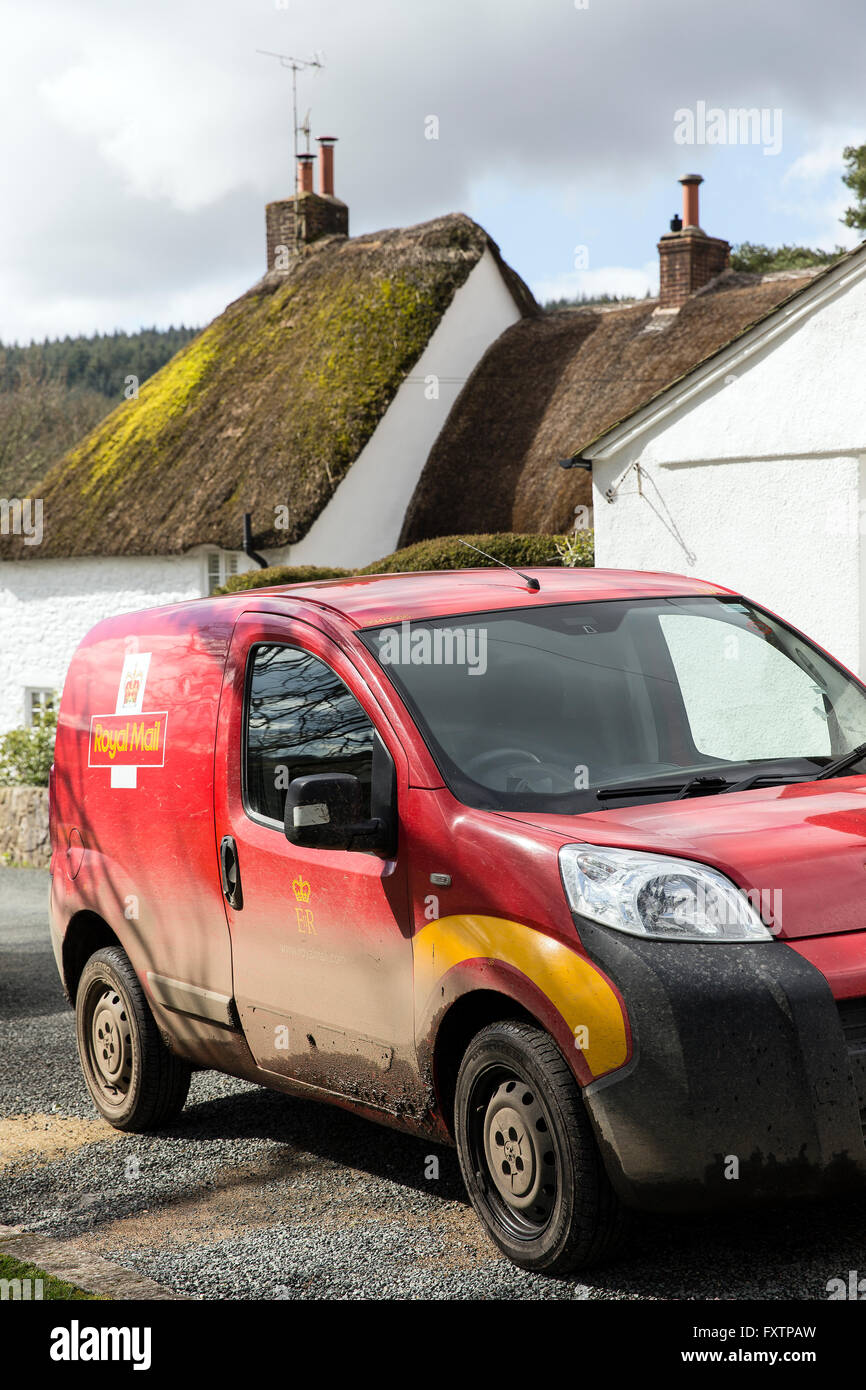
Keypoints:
pixel 326 165
pixel 305 172
pixel 691 183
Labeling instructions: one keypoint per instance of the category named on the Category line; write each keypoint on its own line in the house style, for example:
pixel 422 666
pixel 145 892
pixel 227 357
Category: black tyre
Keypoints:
pixel 135 1082
pixel 528 1155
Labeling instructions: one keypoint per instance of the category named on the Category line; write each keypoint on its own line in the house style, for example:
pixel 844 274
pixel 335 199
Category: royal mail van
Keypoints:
pixel 565 868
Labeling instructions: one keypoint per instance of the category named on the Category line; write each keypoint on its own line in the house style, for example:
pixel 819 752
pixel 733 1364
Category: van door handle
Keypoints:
pixel 230 872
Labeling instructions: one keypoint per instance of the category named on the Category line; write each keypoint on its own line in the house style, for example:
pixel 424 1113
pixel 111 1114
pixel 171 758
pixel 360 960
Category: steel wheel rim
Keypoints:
pixel 108 1039
pixel 513 1152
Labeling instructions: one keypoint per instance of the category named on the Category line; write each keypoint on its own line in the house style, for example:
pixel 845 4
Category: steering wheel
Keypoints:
pixel 482 761
pixel 519 770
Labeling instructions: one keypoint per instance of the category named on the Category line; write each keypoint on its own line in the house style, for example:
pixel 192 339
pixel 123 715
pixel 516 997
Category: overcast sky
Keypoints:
pixel 141 141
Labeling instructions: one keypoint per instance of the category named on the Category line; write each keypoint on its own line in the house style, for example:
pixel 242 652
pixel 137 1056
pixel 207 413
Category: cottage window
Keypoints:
pixel 38 700
pixel 221 564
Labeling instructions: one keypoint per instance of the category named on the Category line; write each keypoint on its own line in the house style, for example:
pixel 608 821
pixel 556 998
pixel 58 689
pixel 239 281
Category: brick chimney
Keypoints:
pixel 688 258
pixel 295 222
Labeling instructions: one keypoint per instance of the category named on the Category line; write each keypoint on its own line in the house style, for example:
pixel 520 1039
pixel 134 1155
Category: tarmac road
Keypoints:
pixel 255 1195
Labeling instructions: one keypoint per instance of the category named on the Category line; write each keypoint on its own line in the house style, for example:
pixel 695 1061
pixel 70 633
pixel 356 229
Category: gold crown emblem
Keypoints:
pixel 301 889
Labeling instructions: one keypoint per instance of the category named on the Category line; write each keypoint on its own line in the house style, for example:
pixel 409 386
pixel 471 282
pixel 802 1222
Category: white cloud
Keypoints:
pixel 822 156
pixel 142 140
pixel 812 196
pixel 622 281
pixel 80 313
pixel 159 121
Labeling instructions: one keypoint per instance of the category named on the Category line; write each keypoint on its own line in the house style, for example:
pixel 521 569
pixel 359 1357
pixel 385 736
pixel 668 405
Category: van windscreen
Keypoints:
pixel 574 707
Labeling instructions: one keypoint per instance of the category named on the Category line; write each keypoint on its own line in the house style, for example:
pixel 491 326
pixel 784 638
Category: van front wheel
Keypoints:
pixel 528 1155
pixel 135 1082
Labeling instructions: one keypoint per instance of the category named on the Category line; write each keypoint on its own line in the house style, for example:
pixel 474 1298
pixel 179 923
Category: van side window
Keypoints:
pixel 300 718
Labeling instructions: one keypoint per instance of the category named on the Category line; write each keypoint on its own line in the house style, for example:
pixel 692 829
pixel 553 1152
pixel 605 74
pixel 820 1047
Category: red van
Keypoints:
pixel 566 868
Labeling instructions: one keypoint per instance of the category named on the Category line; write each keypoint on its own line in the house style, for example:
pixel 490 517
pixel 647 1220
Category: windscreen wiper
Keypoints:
pixel 829 770
pixel 710 786
pixel 754 779
pixel 694 786
pixel 840 764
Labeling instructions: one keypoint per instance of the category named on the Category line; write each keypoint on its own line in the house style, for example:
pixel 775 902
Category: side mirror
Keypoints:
pixel 323 811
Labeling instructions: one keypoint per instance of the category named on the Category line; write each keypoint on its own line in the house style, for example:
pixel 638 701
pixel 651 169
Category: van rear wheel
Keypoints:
pixel 136 1083
pixel 528 1155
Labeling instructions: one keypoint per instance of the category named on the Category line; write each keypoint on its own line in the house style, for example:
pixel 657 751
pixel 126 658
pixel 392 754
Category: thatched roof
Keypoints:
pixel 549 385
pixel 270 405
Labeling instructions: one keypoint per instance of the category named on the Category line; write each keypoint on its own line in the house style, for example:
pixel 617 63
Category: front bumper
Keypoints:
pixel 740 1086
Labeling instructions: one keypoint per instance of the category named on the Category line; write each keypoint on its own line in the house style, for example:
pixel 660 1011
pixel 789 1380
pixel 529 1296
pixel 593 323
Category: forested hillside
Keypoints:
pixel 53 393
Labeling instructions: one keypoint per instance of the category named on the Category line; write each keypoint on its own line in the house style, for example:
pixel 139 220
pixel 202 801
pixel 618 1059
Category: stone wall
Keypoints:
pixel 24 827
pixel 318 216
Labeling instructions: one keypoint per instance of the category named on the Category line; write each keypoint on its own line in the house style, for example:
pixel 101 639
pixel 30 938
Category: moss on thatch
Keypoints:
pixel 444 553
pixel 268 407
pixel 550 384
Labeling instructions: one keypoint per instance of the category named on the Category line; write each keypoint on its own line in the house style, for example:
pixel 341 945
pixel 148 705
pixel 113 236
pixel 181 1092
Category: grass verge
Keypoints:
pixel 14 1272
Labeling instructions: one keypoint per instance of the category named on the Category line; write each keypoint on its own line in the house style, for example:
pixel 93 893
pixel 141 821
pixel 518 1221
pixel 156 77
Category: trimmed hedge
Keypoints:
pixel 280 574
pixel 446 553
pixel 443 553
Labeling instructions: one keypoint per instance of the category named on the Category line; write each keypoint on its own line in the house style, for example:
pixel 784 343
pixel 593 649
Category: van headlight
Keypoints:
pixel 652 895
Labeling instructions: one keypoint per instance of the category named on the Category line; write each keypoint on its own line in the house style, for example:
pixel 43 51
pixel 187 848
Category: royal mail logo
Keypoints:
pixel 304 914
pixel 301 889
pixel 131 691
pixel 133 678
pixel 131 737
pixel 122 740
pixel 128 741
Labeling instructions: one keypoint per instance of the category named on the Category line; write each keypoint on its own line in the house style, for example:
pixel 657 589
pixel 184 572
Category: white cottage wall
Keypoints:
pixel 755 481
pixel 752 527
pixel 47 606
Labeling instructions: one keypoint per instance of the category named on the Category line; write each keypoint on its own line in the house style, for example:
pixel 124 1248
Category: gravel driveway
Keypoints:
pixel 254 1195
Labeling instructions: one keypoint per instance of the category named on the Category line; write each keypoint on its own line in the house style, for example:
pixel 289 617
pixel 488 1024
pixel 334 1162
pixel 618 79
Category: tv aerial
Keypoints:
pixel 296 65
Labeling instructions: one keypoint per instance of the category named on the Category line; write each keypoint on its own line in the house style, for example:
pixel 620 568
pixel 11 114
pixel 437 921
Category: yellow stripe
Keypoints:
pixel 572 984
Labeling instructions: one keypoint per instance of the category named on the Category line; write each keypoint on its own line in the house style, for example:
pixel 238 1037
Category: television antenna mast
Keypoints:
pixel 296 65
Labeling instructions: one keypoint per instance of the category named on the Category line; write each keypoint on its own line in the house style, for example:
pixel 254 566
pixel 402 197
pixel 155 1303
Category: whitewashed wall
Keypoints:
pixel 47 606
pixel 756 482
